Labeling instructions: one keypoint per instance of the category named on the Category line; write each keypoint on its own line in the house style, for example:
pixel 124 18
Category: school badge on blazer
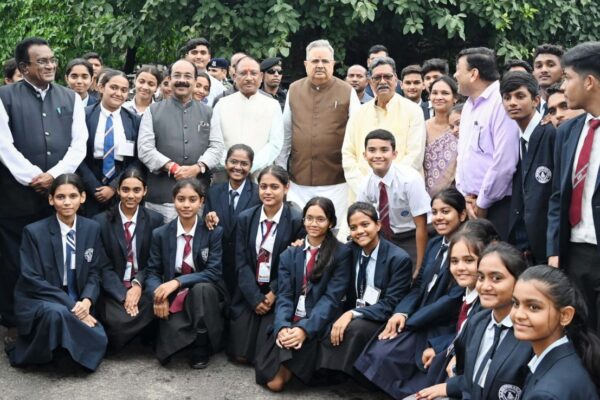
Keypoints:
pixel 204 254
pixel 89 254
pixel 543 174
pixel 509 392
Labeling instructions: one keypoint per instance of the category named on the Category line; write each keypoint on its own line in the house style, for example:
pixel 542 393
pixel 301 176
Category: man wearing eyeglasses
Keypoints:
pixel 315 116
pixel 176 141
pixel 272 76
pixel 389 111
pixel 42 135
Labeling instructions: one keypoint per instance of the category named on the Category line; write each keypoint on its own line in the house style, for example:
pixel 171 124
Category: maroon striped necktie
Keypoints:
pixel 129 243
pixel 462 315
pixel 384 212
pixel 264 255
pixel 581 171
pixel 177 304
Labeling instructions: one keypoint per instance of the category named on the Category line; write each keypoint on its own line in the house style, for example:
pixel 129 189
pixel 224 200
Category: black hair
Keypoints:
pixel 365 208
pixel 278 172
pixel 193 43
pixel 108 74
pixel 242 147
pixel 554 88
pixel 513 80
pixel 22 49
pixel 477 234
pixel 79 61
pixel 512 63
pixel 546 48
pixel 381 134
pixel 66 179
pixel 510 256
pixel 435 64
pixel 184 60
pixel 10 68
pixel 448 80
pixel 584 59
pixel 152 70
pixel 194 183
pixel 92 54
pixel 483 59
pixel 131 172
pixel 378 48
pixel 205 76
pixel 458 107
pixel 411 69
pixel 452 197
pixel 382 61
pixel 330 243
pixel 562 292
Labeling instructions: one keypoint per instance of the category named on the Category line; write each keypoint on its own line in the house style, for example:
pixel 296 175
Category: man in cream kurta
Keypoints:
pixel 250 117
pixel 389 111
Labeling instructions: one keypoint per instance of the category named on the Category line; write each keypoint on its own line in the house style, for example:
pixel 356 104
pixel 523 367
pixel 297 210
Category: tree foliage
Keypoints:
pixel 139 31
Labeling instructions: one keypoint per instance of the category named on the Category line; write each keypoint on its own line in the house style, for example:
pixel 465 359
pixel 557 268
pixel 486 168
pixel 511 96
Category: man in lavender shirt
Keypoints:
pixel 488 147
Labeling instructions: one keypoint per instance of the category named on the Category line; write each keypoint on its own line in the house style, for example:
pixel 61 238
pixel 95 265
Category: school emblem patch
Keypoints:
pixel 89 254
pixel 543 174
pixel 204 254
pixel 509 392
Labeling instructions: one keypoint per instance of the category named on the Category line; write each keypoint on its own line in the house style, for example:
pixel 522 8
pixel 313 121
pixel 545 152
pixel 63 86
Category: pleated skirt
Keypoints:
pixel 248 334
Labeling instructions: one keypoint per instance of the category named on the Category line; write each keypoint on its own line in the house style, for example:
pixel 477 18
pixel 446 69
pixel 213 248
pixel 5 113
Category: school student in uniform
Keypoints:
pixel 61 259
pixel 111 142
pixel 225 201
pixel 312 282
pixel 490 362
pixel 381 275
pixel 400 195
pixel 532 182
pixel 183 276
pixel 550 313
pixel 427 312
pixel 126 231
pixel 263 233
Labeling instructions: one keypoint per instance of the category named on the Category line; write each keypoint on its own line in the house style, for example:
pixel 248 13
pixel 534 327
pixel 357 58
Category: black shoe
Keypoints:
pixel 200 353
pixel 199 363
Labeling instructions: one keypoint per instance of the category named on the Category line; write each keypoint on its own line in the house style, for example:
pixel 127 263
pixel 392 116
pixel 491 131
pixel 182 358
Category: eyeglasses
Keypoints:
pixel 318 220
pixel 318 61
pixel 42 62
pixel 274 72
pixel 233 161
pixel 379 78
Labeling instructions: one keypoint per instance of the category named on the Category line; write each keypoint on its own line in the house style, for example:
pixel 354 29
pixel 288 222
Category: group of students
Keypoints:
pixel 242 269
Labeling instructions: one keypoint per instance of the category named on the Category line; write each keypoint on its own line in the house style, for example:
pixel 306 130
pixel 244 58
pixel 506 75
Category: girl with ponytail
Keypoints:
pixel 550 313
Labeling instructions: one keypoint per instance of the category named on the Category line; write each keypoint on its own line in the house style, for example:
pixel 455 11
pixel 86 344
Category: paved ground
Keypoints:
pixel 135 374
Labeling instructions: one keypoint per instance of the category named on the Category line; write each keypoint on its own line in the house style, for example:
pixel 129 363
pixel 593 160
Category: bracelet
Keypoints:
pixel 173 169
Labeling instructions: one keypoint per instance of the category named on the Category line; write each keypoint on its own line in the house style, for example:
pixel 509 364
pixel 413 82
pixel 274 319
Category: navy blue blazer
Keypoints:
pixel 112 234
pixel 508 368
pixel 323 298
pixel 561 375
pixel 393 273
pixel 90 169
pixel 206 251
pixel 443 342
pixel 290 228
pixel 559 228
pixel 531 190
pixel 42 268
pixel 436 310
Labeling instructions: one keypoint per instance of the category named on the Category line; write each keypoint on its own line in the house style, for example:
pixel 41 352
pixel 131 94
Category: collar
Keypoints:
pixel 588 118
pixel 535 121
pixel 395 98
pixel 64 229
pixel 181 231
pixel 38 90
pixel 374 253
pixel 536 361
pixel 238 190
pixel 388 178
pixel 322 86
pixel 470 295
pixel 124 217
pixel 307 245
pixel 251 98
pixel 493 88
pixel 276 218
pixel 107 113
pixel 506 322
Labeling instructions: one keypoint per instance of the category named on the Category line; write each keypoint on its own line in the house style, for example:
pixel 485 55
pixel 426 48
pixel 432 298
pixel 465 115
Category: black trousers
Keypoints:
pixel 498 214
pixel 583 267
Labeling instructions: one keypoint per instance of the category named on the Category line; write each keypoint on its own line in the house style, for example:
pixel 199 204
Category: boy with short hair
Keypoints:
pixel 399 195
pixel 532 182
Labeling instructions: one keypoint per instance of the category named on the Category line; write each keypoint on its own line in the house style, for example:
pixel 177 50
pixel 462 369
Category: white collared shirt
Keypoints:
pixel 130 105
pixel 486 344
pixel 64 230
pixel 41 92
pixel 307 247
pixel 85 101
pixel 584 231
pixel 535 121
pixel 536 361
pixel 181 245
pixel 370 267
pixel 406 192
pixel 262 227
pixel 118 133
pixel 239 192
pixel 132 227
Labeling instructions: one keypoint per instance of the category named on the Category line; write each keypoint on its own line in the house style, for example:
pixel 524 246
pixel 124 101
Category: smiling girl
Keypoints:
pixel 61 260
pixel 78 76
pixel 147 81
